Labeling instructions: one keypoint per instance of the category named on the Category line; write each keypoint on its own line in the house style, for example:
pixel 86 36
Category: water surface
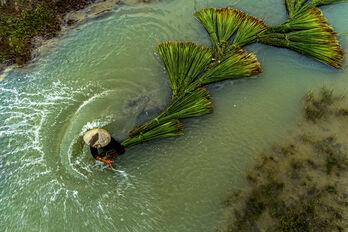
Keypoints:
pixel 107 73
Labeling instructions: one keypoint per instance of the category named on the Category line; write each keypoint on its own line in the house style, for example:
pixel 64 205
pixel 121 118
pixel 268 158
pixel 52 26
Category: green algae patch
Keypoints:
pixel 302 184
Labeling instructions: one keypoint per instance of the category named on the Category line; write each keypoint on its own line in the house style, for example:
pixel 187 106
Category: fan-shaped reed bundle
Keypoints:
pixel 222 23
pixel 172 128
pixel 190 66
pixel 183 62
pixel 307 32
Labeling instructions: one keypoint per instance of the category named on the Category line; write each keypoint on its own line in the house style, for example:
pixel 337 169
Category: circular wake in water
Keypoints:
pixel 45 160
pixel 106 73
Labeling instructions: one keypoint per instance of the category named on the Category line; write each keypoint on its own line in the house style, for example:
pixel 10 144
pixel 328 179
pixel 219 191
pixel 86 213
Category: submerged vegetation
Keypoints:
pixel 300 186
pixel 190 66
pixel 319 107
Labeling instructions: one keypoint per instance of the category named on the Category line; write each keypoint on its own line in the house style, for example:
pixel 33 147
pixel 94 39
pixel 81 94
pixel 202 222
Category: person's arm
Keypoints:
pixel 117 146
pixel 96 156
pixel 105 161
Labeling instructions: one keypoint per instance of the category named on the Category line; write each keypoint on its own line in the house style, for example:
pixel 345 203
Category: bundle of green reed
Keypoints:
pixel 228 21
pixel 323 35
pixel 236 64
pixel 295 7
pixel 328 53
pixel 306 32
pixel 192 104
pixel 183 62
pixel 290 7
pixel 207 17
pixel 222 23
pixel 172 128
pixel 249 30
pixel 312 18
pixel 316 3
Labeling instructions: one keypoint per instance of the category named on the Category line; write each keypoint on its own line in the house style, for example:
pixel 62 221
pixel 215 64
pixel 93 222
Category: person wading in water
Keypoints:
pixel 103 145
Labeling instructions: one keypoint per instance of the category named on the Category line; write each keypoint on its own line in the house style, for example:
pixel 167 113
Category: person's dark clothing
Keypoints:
pixel 112 148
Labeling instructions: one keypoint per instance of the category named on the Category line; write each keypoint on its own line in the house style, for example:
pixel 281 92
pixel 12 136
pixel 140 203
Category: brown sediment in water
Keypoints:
pixel 302 184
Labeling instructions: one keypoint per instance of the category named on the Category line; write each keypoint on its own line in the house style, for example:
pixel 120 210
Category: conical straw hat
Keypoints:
pixel 97 138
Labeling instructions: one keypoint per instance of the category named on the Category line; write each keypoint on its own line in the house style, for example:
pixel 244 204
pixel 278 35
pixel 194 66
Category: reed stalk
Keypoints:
pixel 237 64
pixel 308 33
pixel 228 21
pixel 312 18
pixel 183 62
pixel 172 128
pixel 208 19
pixel 328 53
pixel 192 104
pixel 317 3
pixel 222 24
pixel 190 66
pixel 290 7
pixel 249 30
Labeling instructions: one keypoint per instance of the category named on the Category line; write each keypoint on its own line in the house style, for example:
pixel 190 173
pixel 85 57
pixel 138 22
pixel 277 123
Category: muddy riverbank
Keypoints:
pixel 24 23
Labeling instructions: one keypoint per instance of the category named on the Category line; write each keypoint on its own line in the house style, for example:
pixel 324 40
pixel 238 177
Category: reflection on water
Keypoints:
pixel 107 73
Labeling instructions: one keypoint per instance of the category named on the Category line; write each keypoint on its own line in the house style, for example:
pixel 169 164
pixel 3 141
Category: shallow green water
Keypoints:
pixel 107 73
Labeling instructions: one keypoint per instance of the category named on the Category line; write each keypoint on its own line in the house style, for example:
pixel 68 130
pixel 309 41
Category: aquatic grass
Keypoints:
pixel 172 128
pixel 335 158
pixel 237 64
pixel 317 107
pixel 295 192
pixel 183 62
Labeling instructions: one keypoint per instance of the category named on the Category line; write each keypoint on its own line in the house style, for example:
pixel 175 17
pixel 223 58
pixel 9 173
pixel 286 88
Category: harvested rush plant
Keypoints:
pixel 190 66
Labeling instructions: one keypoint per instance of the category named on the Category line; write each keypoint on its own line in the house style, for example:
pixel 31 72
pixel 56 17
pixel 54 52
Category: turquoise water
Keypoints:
pixel 107 73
